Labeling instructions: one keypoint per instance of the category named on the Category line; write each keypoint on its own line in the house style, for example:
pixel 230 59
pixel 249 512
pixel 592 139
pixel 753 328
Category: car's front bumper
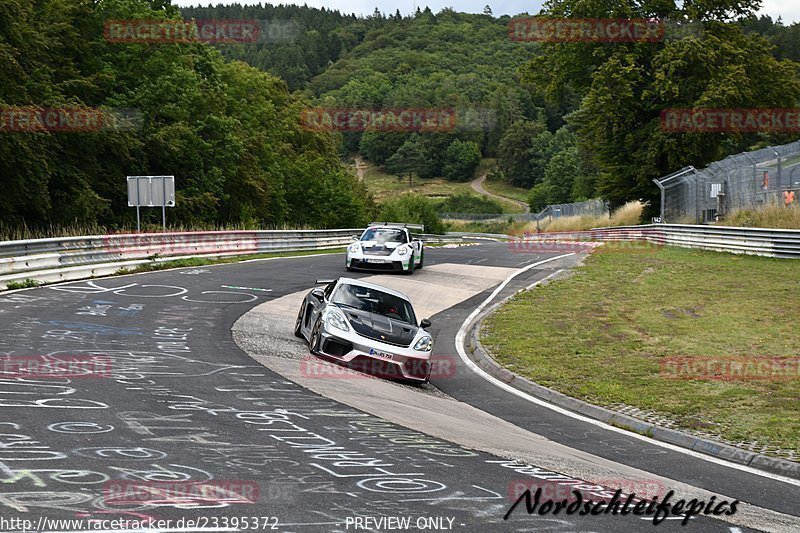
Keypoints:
pixel 386 263
pixel 374 357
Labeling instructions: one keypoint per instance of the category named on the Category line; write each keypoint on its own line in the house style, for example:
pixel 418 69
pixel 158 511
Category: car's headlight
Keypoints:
pixel 424 344
pixel 403 250
pixel 355 248
pixel 337 320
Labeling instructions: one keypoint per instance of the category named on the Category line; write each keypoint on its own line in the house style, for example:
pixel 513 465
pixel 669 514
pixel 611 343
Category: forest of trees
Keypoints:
pixel 227 131
pixel 616 92
pixel 569 121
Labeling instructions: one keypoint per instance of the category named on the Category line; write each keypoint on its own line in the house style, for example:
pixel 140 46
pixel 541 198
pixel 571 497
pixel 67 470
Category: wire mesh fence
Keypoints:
pixel 748 180
pixel 593 208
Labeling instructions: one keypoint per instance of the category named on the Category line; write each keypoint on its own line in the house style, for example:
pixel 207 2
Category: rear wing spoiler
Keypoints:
pixel 417 227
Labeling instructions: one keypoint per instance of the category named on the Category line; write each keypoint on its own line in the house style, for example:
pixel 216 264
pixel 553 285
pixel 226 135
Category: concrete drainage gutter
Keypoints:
pixel 678 438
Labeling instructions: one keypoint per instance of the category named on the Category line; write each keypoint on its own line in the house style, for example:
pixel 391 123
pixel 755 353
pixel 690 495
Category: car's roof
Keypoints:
pixel 361 283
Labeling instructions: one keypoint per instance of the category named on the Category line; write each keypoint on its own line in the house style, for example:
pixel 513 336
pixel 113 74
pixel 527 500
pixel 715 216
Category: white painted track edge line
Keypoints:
pixel 461 336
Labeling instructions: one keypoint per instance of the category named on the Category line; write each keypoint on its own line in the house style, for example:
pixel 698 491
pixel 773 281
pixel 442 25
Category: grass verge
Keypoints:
pixel 27 283
pixel 603 334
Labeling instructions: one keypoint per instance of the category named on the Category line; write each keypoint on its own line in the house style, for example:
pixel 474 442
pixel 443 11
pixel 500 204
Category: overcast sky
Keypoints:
pixel 789 10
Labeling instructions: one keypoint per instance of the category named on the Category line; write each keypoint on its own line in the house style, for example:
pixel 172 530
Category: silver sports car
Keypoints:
pixel 366 327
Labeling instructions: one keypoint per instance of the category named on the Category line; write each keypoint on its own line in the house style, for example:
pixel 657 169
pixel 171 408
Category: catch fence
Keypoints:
pixel 743 181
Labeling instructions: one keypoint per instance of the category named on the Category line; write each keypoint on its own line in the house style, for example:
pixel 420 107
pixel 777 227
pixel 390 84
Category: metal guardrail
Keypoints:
pixel 781 243
pixel 69 258
pixel 73 258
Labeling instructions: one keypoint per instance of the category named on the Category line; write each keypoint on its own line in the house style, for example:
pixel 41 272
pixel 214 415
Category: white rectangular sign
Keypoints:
pixel 151 191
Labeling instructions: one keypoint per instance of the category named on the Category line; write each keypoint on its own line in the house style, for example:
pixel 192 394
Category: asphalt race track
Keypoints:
pixel 178 401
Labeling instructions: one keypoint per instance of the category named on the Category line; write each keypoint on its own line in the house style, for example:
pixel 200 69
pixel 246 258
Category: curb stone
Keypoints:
pixel 480 357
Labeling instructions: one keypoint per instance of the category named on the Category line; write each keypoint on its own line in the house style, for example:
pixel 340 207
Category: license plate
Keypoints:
pixel 370 260
pixel 383 355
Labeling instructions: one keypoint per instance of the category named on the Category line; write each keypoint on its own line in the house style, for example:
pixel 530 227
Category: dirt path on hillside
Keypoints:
pixel 477 186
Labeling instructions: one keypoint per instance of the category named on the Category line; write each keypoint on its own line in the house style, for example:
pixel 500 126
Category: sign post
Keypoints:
pixel 151 191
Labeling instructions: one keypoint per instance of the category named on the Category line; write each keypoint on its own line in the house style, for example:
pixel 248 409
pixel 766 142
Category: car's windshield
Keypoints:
pixel 384 235
pixel 374 301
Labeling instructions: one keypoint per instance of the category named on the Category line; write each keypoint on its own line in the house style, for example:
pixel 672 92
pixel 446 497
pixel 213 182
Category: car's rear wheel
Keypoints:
pixel 421 258
pixel 298 324
pixel 316 336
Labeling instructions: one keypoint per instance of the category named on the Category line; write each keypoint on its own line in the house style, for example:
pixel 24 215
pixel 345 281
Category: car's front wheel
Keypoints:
pixel 316 336
pixel 298 324
pixel 410 269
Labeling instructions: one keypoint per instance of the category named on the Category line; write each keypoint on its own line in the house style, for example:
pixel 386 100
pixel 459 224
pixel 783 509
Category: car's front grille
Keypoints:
pixel 375 266
pixel 337 348
pixel 378 251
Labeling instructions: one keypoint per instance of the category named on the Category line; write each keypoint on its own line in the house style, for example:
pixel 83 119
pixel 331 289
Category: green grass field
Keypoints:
pixel 383 185
pixel 603 334
pixel 502 188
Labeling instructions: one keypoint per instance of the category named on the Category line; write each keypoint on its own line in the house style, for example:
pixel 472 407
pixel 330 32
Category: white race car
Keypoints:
pixel 386 246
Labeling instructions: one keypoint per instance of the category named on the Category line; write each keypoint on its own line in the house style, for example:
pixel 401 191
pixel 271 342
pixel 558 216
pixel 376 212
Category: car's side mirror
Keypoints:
pixel 425 323
pixel 354 237
pixel 318 293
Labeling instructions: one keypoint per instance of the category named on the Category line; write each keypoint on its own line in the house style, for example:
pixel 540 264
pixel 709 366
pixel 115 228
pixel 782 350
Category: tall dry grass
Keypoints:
pixel 629 214
pixel 24 232
pixel 775 216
